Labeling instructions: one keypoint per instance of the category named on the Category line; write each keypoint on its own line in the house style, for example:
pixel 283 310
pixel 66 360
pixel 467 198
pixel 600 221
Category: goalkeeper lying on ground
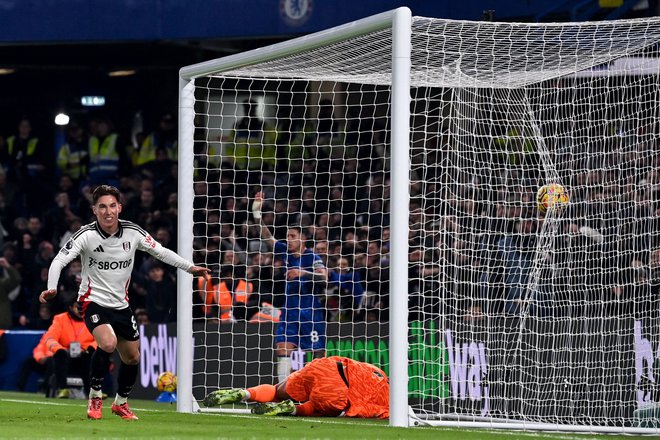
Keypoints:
pixel 334 386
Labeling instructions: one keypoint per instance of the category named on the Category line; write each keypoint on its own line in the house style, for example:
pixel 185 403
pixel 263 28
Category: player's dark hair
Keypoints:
pixel 299 229
pixel 105 190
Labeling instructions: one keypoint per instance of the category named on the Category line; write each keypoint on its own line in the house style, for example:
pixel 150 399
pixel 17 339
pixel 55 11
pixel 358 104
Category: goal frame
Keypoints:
pixel 400 21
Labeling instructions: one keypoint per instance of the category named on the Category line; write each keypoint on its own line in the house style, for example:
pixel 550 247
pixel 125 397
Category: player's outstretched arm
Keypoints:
pixel 167 256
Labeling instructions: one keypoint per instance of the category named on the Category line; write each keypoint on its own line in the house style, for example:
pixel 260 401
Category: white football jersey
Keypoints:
pixel 107 261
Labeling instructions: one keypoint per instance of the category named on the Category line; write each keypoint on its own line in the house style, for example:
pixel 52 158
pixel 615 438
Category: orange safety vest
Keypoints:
pixel 242 291
pixel 64 330
pixel 221 296
pixel 213 296
pixel 41 351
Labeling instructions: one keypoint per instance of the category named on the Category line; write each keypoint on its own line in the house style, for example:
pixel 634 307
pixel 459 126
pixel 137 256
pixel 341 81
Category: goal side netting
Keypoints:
pixel 440 268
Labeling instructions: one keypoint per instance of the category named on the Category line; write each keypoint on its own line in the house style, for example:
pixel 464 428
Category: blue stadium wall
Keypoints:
pixel 125 20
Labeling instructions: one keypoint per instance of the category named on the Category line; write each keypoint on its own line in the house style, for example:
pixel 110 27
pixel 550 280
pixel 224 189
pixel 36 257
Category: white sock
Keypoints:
pixel 283 368
pixel 120 400
pixel 247 395
pixel 95 393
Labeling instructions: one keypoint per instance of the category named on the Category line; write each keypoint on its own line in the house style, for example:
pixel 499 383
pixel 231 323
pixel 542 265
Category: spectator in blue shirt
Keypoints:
pixel 349 284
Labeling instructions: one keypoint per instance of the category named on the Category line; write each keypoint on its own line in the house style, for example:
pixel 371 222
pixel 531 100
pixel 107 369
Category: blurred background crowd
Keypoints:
pixel 45 199
pixel 470 254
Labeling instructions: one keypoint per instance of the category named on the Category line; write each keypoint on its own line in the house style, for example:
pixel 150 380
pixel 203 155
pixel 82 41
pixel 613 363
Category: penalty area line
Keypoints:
pixel 82 404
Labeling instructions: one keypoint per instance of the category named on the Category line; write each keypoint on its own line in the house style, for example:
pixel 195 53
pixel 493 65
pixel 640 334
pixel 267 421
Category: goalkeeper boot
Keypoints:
pixel 94 408
pixel 123 411
pixel 220 397
pixel 285 408
pixel 63 393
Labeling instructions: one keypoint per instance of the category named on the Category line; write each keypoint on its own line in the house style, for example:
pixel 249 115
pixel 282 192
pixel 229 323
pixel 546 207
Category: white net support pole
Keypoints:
pixel 185 247
pixel 400 169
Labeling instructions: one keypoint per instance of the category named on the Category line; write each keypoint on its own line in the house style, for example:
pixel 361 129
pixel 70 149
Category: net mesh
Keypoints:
pixel 513 315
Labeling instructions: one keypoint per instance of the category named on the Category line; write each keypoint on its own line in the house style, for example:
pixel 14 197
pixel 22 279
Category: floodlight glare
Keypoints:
pixel 61 119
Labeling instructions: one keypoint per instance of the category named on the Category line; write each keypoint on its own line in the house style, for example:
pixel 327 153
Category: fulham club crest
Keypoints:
pixel 126 245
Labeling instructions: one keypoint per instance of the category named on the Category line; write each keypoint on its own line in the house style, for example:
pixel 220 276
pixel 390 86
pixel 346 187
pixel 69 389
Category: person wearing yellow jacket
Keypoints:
pixel 164 137
pixel 27 159
pixel 251 144
pixel 108 158
pixel 73 157
pixel 72 346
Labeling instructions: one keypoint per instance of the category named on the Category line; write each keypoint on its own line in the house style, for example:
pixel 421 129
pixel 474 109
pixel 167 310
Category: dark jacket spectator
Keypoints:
pixel 7 284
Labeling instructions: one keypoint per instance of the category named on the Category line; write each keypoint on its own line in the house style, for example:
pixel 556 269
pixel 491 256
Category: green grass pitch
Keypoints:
pixel 27 415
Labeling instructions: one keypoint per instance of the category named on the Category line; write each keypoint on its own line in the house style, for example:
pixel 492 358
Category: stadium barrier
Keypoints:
pixel 18 347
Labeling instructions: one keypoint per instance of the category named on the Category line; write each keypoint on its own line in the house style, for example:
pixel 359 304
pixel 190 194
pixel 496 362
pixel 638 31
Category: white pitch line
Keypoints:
pixel 82 404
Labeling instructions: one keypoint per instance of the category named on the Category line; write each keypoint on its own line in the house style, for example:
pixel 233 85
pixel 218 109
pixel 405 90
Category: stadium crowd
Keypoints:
pixel 330 179
pixel 339 200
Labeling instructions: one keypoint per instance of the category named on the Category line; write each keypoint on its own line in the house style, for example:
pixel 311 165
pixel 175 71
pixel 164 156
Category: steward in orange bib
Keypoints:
pixel 216 297
pixel 225 298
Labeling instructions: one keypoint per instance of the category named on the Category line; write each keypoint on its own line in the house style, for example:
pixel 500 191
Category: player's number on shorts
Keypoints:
pixel 134 323
pixel 314 336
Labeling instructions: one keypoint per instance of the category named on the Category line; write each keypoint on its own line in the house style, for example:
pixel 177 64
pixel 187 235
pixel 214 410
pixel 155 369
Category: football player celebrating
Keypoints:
pixel 107 250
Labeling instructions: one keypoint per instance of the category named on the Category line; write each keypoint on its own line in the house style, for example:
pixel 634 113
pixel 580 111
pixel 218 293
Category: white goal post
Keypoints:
pixel 406 152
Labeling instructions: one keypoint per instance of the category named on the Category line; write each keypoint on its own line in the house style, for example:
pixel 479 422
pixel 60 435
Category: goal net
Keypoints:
pixel 435 263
